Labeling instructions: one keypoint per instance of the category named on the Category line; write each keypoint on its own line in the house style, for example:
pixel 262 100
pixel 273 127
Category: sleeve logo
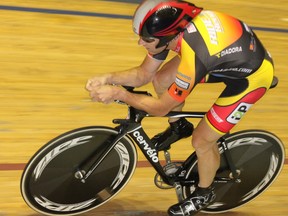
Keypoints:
pixel 182 84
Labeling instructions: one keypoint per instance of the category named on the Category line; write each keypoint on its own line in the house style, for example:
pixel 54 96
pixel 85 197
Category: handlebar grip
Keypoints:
pixel 129 88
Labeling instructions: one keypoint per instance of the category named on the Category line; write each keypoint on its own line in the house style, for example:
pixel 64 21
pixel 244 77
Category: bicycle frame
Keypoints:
pixel 132 127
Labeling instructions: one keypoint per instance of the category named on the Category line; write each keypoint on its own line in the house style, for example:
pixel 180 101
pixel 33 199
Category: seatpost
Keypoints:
pixel 167 156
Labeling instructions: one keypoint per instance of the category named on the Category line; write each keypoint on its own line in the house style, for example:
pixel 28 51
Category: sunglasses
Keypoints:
pixel 148 39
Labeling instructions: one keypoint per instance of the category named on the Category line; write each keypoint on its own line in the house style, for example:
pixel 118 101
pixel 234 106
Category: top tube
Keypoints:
pixel 187 114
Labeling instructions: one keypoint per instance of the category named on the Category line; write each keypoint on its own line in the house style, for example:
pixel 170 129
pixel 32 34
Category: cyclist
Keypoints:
pixel 211 47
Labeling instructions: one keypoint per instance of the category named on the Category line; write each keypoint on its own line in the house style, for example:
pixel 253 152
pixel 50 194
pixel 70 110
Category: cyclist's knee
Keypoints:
pixel 199 142
pixel 204 138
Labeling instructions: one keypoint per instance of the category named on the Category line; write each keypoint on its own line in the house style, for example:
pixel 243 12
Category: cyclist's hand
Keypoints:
pixel 105 94
pixel 95 82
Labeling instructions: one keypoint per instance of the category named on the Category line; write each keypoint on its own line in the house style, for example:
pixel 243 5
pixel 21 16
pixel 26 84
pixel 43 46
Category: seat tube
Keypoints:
pixel 228 158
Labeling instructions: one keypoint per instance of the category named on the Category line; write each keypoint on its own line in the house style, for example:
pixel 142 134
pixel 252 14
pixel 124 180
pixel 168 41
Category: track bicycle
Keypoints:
pixel 84 168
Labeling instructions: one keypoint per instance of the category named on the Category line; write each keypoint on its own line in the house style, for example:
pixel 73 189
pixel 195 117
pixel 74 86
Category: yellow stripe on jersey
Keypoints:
pixel 260 78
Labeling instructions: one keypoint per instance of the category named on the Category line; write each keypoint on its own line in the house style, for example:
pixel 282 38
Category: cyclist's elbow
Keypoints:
pixel 161 111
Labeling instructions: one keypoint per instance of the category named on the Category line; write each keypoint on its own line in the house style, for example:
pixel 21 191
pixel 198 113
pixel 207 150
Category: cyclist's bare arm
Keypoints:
pixel 154 106
pixel 135 77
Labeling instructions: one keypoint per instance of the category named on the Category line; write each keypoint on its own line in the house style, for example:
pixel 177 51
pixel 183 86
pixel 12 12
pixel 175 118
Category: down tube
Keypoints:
pixel 148 149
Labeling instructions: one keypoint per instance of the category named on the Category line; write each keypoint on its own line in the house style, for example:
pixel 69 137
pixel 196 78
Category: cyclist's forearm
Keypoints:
pixel 141 102
pixel 132 77
pixel 137 76
pixel 151 105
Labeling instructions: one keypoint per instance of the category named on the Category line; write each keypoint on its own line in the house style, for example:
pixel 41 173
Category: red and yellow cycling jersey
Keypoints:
pixel 217 46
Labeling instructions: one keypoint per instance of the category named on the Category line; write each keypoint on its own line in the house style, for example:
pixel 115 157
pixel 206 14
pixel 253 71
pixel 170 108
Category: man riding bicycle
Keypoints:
pixel 212 47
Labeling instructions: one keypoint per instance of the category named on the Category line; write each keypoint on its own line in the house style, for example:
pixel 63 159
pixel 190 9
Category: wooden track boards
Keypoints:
pixel 46 56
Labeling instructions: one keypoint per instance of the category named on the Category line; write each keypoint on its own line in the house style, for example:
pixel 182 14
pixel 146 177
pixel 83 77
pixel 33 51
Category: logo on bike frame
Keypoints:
pixel 152 153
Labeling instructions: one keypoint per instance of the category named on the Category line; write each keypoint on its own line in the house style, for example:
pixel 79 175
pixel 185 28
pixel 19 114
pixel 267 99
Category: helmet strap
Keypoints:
pixel 167 44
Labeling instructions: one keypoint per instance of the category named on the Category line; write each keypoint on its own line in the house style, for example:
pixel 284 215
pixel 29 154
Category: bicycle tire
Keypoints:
pixel 258 155
pixel 48 184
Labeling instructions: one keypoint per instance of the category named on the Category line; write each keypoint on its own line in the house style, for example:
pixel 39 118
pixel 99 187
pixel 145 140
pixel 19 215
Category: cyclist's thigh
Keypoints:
pixel 166 75
pixel 238 96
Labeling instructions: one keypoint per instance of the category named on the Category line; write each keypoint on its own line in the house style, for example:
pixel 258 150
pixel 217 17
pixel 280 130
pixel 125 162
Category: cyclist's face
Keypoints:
pixel 150 45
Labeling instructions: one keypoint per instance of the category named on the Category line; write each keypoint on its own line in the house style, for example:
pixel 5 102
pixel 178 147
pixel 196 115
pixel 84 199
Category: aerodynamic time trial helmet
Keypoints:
pixel 163 19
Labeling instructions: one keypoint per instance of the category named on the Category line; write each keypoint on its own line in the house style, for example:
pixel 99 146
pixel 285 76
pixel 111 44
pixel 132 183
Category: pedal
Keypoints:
pixel 158 181
pixel 170 169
